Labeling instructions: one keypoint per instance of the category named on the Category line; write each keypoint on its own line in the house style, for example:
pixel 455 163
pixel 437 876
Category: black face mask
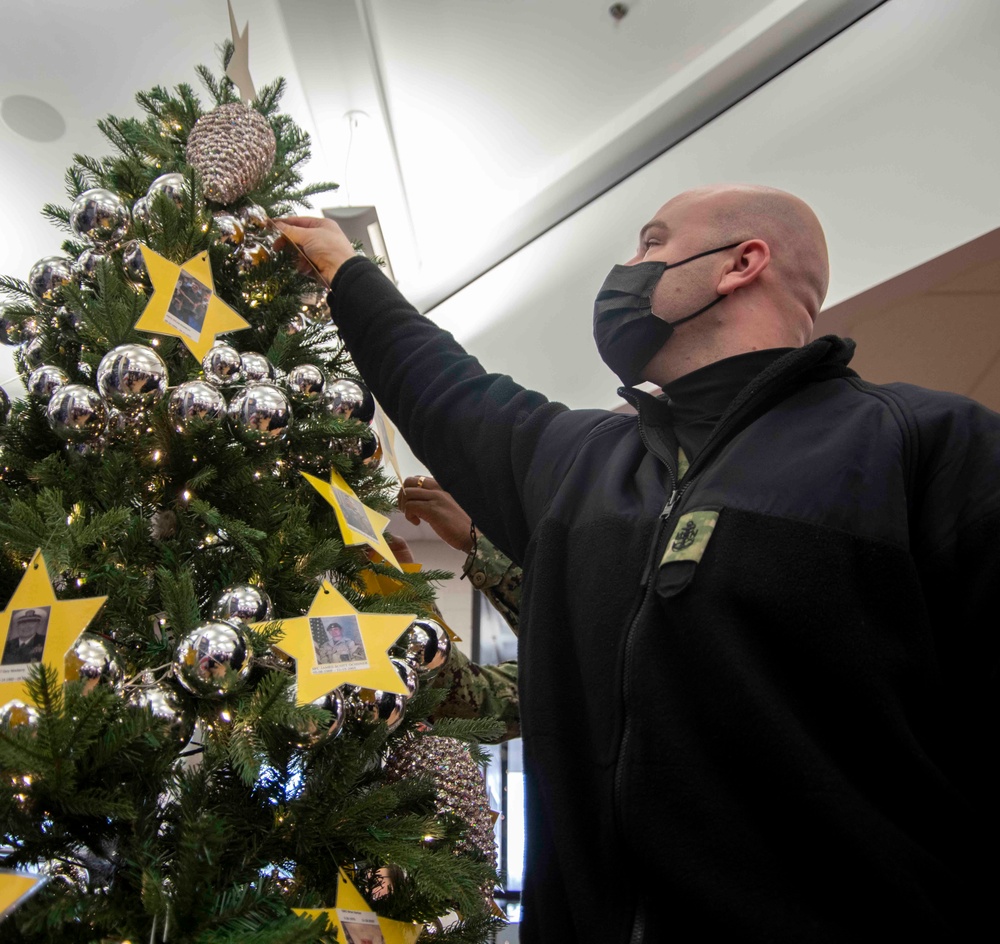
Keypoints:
pixel 627 332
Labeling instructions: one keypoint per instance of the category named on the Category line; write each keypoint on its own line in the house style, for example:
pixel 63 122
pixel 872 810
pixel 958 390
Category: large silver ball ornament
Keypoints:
pixel 91 660
pixel 45 380
pixel 49 275
pixel 254 217
pixel 174 186
pixel 306 381
pixel 99 215
pixel 16 712
pixel 195 400
pixel 371 450
pixel 222 365
pixel 132 377
pixel 213 659
pixel 335 703
pixel 255 367
pixel 349 399
pixel 87 263
pixel 165 704
pixel 408 676
pixel 388 707
pixel 261 413
pixel 244 602
pixel 133 262
pixel 228 229
pixel 426 645
pixel 254 254
pixel 77 413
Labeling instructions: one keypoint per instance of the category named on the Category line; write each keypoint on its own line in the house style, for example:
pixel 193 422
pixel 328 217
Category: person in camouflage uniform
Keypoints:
pixel 474 691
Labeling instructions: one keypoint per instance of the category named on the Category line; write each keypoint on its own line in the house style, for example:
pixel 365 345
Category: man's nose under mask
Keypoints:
pixel 626 331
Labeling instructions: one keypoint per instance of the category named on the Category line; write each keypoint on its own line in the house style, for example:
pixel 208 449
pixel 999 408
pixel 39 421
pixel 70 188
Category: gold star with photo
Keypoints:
pixel 353 915
pixel 383 586
pixel 36 627
pixel 358 523
pixel 184 304
pixel 335 644
pixel 15 887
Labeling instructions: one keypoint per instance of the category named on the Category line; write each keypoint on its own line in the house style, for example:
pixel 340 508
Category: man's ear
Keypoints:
pixel 747 262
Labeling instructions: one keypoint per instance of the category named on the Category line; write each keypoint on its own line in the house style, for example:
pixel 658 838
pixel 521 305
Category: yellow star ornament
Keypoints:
pixel 36 627
pixel 334 644
pixel 15 887
pixel 184 304
pixel 355 922
pixel 358 523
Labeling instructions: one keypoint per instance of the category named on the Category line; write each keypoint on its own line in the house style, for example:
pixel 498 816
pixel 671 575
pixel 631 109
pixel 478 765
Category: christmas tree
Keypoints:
pixel 203 736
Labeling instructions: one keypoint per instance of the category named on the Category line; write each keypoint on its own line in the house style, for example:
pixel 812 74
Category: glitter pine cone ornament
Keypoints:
pixel 233 148
pixel 459 784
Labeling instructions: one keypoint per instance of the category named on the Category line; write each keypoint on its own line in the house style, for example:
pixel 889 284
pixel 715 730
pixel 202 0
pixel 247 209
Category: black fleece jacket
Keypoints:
pixel 758 703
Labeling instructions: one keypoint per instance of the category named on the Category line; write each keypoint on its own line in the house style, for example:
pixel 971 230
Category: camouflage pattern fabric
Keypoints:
pixel 486 691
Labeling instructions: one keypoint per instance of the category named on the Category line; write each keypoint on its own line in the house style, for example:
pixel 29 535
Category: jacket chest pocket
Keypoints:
pixel 684 550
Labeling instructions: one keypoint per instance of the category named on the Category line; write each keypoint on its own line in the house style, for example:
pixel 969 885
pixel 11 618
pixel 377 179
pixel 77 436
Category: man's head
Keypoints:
pixel 773 280
pixel 336 631
pixel 25 623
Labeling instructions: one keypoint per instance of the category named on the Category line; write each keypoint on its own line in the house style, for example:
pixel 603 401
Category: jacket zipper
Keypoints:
pixel 748 398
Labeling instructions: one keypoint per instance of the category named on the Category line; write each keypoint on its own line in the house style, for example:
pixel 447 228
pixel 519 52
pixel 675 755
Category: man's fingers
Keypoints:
pixel 425 482
pixel 305 222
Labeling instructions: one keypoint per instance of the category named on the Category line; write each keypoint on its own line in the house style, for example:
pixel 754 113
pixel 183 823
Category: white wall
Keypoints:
pixel 454 597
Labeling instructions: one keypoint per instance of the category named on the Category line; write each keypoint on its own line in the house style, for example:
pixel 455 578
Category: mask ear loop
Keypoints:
pixel 715 301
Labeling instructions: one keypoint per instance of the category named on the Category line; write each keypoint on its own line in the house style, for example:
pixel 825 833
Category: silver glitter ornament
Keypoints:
pixel 45 380
pixel 222 365
pixel 426 645
pixel 174 186
pixel 228 229
pixel 99 215
pixel 261 413
pixel 254 217
pixel 244 602
pixel 16 712
pixel 305 381
pixel 336 704
pixel 132 377
pixel 133 262
pixel 195 400
pixel 458 783
pixel 140 212
pixel 166 706
pixel 4 405
pixel 233 148
pixel 33 354
pixel 77 413
pixel 255 367
pixel 213 659
pixel 349 399
pixel 49 275
pixel 91 661
pixel 87 262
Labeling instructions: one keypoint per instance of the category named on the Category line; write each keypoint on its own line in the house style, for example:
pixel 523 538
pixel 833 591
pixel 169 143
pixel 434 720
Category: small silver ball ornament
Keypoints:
pixel 261 413
pixel 426 645
pixel 244 602
pixel 408 676
pixel 33 354
pixel 254 217
pixel 77 413
pixel 174 186
pixel 315 308
pixel 133 262
pixel 4 405
pixel 49 275
pixel 222 365
pixel 195 400
pixel 91 661
pixel 16 713
pixel 389 707
pixel 45 380
pixel 349 399
pixel 255 367
pixel 306 381
pixel 10 328
pixel 165 704
pixel 87 263
pixel 228 229
pixel 100 216
pixel 336 704
pixel 132 377
pixel 140 211
pixel 213 659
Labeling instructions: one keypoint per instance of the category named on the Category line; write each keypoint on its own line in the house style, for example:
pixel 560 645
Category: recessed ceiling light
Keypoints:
pixel 32 118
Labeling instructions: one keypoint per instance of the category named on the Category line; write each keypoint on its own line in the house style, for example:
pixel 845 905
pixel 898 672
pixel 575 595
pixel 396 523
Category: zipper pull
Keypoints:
pixel 669 506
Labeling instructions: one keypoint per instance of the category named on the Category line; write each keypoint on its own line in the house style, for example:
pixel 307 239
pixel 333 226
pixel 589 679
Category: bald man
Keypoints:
pixel 759 650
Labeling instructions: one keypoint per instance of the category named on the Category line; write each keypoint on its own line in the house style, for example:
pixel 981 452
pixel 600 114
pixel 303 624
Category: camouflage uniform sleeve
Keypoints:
pixel 479 691
pixel 492 572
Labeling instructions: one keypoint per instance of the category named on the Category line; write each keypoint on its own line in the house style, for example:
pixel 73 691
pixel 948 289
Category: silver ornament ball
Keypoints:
pixel 45 380
pixel 132 377
pixel 195 400
pixel 306 381
pixel 49 275
pixel 33 354
pixel 254 217
pixel 245 602
pixel 213 659
pixel 255 367
pixel 386 706
pixel 140 211
pixel 349 399
pixel 99 215
pixel 174 186
pixel 222 365
pixel 91 661
pixel 315 308
pixel 228 229
pixel 4 405
pixel 166 706
pixel 426 645
pixel 133 262
pixel 77 413
pixel 407 675
pixel 10 327
pixel 16 713
pixel 261 413
pixel 87 262
pixel 334 702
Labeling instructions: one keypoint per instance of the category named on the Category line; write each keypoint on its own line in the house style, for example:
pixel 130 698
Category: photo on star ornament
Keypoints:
pixel 25 642
pixel 360 928
pixel 188 306
pixel 354 514
pixel 337 644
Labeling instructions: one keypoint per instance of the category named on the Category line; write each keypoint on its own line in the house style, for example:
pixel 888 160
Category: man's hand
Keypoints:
pixel 322 241
pixel 422 499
